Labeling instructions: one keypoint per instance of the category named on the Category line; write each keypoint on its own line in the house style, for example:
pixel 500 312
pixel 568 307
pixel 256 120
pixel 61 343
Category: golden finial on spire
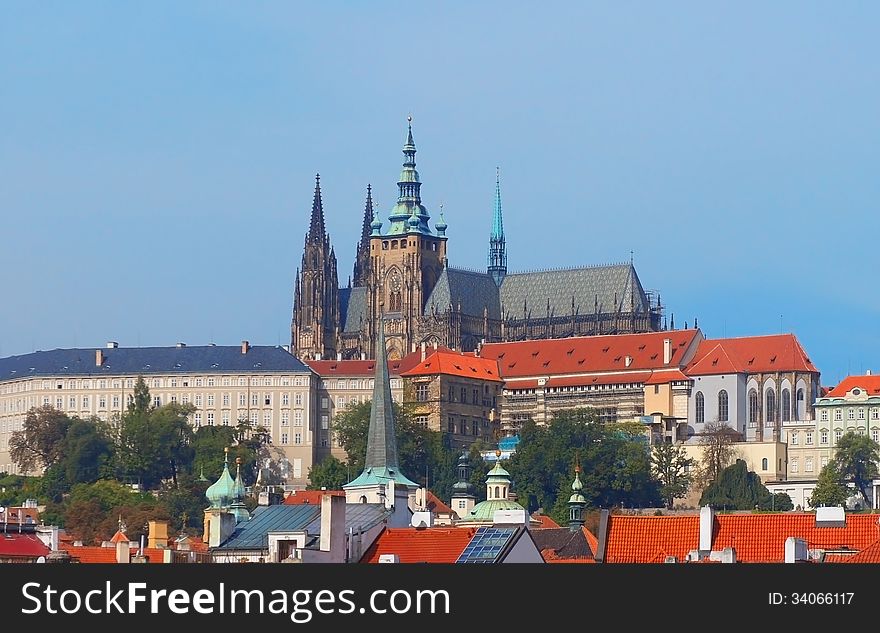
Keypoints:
pixel 498 453
pixel 409 118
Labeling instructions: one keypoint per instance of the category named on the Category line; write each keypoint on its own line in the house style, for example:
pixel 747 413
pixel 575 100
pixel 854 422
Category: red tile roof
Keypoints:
pixel 92 554
pixel 455 364
pixel 585 354
pixel 870 554
pixel 665 376
pixel 437 506
pixel 119 537
pixel 592 541
pixel 546 522
pixel 302 497
pixel 869 384
pixel 650 539
pixel 426 545
pixel 750 354
pixel 760 538
pixel 21 546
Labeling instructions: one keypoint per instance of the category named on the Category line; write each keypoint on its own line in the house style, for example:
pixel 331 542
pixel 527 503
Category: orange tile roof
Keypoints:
pixel 93 554
pixel 119 537
pixel 750 354
pixel 303 497
pixel 426 545
pixel 455 364
pixel 325 368
pixel 550 556
pixel 870 554
pixel 870 384
pixel 650 539
pixel 760 538
pixel 665 376
pixel 585 354
pixel 592 541
pixel 14 545
pixel 546 522
pixel 437 506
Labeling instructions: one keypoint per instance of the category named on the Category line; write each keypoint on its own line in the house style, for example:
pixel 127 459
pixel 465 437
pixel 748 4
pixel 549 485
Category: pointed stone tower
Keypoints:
pixel 497 246
pixel 463 499
pixel 362 258
pixel 381 480
pixel 315 324
pixel 576 502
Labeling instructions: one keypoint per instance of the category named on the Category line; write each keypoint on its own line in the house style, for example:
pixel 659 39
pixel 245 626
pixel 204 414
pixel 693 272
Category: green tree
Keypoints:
pixel 856 460
pixel 40 442
pixel 671 466
pixel 88 453
pixel 737 488
pixel 330 473
pixel 718 441
pixel 830 489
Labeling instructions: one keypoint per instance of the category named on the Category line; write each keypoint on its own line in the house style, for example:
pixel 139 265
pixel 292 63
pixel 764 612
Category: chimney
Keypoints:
pixel 707 519
pixel 112 344
pixel 179 345
pixel 99 358
pixel 628 361
pixel 423 350
pixel 363 356
pixel 245 346
pixel 867 372
pixel 602 537
pixel 339 356
pixel 667 350
pixel 317 355
pixel 333 524
pixel 123 552
pixel 158 534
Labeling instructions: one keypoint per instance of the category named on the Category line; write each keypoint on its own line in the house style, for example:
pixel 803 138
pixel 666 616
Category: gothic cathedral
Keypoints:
pixel 402 280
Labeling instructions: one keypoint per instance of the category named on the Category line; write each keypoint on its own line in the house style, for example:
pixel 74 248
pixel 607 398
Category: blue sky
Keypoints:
pixel 157 159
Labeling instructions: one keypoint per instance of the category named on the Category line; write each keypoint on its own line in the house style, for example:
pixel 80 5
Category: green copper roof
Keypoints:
pixel 498 472
pixel 381 463
pixel 222 492
pixel 576 487
pixel 485 510
pixel 408 215
pixel 497 221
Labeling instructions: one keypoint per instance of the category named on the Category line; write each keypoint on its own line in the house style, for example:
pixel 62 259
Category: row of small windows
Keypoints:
pixel 353 383
pixel 198 400
pixel 174 381
pixel 462 427
pixel 723 413
pixel 794 438
pixel 395 244
pixel 851 414
pixel 808 464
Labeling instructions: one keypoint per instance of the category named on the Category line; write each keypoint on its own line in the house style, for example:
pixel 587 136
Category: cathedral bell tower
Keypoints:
pixel 405 261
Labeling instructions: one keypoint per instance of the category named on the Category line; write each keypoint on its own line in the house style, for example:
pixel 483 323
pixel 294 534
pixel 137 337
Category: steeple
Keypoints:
pixel 381 465
pixel 362 258
pixel 222 492
pixel 237 506
pixel 409 198
pixel 576 502
pixel 463 499
pixel 497 247
pixel 317 231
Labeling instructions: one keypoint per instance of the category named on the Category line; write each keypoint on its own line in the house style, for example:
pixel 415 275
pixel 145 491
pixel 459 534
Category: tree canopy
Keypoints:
pixel 856 460
pixel 830 489
pixel 737 488
pixel 673 470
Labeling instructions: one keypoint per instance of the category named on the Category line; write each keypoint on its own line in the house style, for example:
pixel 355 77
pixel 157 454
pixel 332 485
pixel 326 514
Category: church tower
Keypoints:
pixel 362 258
pixel 315 324
pixel 405 262
pixel 497 247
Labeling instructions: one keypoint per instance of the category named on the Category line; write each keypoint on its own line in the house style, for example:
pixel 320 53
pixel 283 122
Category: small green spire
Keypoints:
pixel 577 501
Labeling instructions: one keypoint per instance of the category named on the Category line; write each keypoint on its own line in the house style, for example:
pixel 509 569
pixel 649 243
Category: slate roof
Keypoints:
pixel 253 534
pixel 352 308
pixel 586 285
pixel 151 360
pixel 358 516
pixel 750 354
pixel 562 542
pixel 472 289
pixel 869 384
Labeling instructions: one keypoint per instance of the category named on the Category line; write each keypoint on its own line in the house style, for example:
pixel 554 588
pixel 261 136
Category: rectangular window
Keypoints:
pixel 463 394
pixel 198 382
pixel 325 421
pixel 861 414
pixel 824 415
pixel 226 418
pixel 242 381
pixel 475 428
pixel 823 437
pixel 46 401
pixel 210 418
pixel 85 402
pixel 809 441
pixel 297 381
pixel 298 399
pixel 285 418
pixel 72 402
pixel 185 398
pixel 210 399
pixel 285 399
pixel 242 400
pixel 102 383
pixel 174 382
pixel 794 438
pixel 255 399
pixel 267 382
pixel 875 435
pixel 838 433
pixel 325 403
pixel 102 402
pixel 341 384
pixel 451 394
pixel 850 414
pixel 324 442
pixel 824 461
pixel 794 465
pixel 225 399
pixel 225 381
pixel 875 414
pixel 808 465
pixel 198 418
pixel 422 392
pixel 173 398
pixel 340 402
pixel 129 383
pixel 211 381
pixel 267 400
pixel 255 417
pixel 475 396
pixel 285 381
pixel 297 418
pixel 297 439
pixel 267 419
pixel 297 468
pixel 421 420
pixel 198 400
pixel 157 401
pixel 450 427
pixel 284 438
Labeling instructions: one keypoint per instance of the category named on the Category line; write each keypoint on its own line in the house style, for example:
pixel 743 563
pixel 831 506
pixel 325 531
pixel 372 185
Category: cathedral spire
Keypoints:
pixel 362 257
pixel 497 246
pixel 409 198
pixel 381 464
pixel 316 226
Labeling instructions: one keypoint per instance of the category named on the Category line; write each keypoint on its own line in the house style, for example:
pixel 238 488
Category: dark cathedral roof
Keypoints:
pixel 587 286
pixel 472 289
pixel 352 308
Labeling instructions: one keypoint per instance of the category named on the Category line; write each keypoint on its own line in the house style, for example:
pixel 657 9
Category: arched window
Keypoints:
pixel 701 408
pixel 770 415
pixel 722 406
pixel 764 464
pixel 801 409
pixel 497 492
pixel 786 405
pixel 363 499
pixel 754 407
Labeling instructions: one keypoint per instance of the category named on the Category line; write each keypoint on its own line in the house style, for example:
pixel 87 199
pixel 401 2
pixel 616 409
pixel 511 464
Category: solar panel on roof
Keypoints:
pixel 486 545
